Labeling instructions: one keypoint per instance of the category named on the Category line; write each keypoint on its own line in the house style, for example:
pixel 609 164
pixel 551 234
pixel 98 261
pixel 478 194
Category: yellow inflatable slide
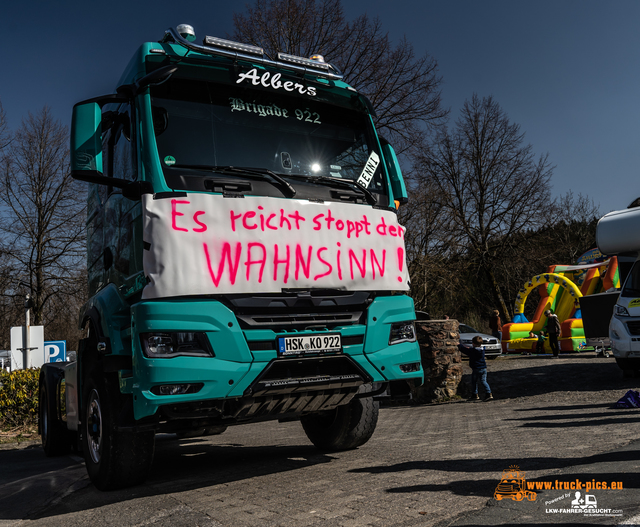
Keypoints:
pixel 560 290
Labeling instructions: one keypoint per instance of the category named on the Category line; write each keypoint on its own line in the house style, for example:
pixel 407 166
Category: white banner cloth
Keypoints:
pixel 206 244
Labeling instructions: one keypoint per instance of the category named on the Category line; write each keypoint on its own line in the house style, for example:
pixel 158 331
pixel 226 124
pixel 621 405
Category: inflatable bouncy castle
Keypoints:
pixel 560 290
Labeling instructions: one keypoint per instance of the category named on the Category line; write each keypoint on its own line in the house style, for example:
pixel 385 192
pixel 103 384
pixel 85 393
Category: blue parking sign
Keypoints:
pixel 55 351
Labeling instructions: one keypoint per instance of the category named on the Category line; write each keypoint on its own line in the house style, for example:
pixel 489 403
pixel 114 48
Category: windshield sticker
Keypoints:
pixel 369 170
pixel 238 105
pixel 635 302
pixel 203 244
pixel 268 80
pixel 169 161
pixel 264 110
pixel 306 115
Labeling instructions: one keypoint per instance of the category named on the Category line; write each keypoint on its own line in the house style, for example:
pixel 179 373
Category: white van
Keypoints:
pixel 619 233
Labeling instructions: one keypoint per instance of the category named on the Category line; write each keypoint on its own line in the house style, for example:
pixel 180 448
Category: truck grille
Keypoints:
pixel 298 320
pixel 634 327
pixel 300 309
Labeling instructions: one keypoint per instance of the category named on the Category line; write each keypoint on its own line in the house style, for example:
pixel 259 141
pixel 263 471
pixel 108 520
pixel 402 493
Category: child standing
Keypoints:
pixel 478 366
pixel 540 343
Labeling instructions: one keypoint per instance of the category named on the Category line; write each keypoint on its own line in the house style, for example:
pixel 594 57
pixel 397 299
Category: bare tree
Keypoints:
pixel 43 217
pixel 489 184
pixel 4 130
pixel 404 89
pixel 574 224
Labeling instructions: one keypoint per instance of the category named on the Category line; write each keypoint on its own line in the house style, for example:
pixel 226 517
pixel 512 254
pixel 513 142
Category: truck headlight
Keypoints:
pixel 175 344
pixel 402 332
pixel 620 311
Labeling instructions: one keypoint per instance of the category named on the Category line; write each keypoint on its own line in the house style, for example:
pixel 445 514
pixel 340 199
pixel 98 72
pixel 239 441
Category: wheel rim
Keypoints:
pixel 94 426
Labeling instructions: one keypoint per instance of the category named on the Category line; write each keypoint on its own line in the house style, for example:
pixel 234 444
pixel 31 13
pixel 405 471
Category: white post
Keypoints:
pixel 26 341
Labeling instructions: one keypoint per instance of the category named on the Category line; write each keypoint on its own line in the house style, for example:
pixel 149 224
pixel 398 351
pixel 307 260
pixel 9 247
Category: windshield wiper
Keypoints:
pixel 255 173
pixel 344 183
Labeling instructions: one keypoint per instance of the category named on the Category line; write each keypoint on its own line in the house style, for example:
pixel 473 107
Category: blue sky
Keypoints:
pixel 566 71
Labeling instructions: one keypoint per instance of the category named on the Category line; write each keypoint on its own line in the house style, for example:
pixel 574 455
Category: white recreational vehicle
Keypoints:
pixel 619 233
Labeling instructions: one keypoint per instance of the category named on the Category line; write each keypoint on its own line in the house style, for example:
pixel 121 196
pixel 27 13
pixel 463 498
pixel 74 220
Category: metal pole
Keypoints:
pixel 26 354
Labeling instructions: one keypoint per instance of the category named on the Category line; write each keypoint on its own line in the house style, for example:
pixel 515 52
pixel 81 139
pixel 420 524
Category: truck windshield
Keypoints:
pixel 632 284
pixel 206 124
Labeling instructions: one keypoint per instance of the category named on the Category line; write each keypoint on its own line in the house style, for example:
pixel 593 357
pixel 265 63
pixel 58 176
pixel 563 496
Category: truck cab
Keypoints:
pixel 245 261
pixel 617 233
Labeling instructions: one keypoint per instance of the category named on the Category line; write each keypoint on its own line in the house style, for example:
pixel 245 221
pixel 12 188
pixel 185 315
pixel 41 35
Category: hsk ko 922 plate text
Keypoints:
pixel 309 344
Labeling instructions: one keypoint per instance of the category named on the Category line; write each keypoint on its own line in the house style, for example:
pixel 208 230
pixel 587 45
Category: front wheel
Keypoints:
pixel 344 428
pixel 115 458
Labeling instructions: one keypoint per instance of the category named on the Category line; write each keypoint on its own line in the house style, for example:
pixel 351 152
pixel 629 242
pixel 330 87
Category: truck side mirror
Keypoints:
pixel 86 147
pixel 395 174
pixel 86 141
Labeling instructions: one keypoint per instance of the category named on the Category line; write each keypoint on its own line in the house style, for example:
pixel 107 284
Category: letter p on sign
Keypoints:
pixel 55 351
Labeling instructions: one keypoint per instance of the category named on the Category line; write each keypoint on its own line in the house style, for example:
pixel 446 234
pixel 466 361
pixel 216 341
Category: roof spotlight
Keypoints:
pixel 187 32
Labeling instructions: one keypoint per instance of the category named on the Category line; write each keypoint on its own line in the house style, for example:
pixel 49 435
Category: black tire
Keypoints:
pixel 115 458
pixel 56 439
pixel 628 363
pixel 344 428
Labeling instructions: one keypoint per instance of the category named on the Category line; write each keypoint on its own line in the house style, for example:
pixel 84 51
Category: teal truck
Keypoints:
pixel 245 262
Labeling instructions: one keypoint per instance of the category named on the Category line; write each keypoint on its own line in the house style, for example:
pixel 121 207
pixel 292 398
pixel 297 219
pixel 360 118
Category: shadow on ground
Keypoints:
pixel 539 375
pixel 194 464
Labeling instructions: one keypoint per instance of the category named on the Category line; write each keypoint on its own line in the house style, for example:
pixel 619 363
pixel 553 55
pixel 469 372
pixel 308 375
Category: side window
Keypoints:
pixel 122 151
pixel 117 151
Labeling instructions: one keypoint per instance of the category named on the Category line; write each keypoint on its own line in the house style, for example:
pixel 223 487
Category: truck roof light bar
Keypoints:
pixel 235 46
pixel 250 53
pixel 308 63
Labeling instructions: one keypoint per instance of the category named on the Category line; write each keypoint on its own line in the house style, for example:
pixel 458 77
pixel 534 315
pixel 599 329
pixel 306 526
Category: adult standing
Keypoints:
pixel 553 330
pixel 495 324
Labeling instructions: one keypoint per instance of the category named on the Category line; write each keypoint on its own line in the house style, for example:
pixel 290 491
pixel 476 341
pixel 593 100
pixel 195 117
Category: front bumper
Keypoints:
pixel 246 371
pixel 625 337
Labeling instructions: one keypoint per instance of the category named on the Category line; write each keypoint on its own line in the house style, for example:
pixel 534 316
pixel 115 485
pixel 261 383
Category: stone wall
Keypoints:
pixel 441 360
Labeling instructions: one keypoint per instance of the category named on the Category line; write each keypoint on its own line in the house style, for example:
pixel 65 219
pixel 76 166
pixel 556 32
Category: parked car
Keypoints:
pixel 492 346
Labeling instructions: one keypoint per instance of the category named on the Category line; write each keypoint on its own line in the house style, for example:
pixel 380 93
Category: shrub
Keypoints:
pixel 19 399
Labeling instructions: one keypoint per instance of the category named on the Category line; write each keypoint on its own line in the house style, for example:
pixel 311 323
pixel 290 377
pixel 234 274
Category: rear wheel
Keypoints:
pixel 344 428
pixel 115 458
pixel 56 439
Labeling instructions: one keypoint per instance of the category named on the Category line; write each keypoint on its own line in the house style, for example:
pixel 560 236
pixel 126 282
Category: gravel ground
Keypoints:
pixel 571 378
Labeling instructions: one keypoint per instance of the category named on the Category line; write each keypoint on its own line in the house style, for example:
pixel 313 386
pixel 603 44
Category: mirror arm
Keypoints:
pixel 132 190
pixel 155 77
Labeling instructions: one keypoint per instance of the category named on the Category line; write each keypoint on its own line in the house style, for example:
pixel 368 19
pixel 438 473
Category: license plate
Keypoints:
pixel 308 344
